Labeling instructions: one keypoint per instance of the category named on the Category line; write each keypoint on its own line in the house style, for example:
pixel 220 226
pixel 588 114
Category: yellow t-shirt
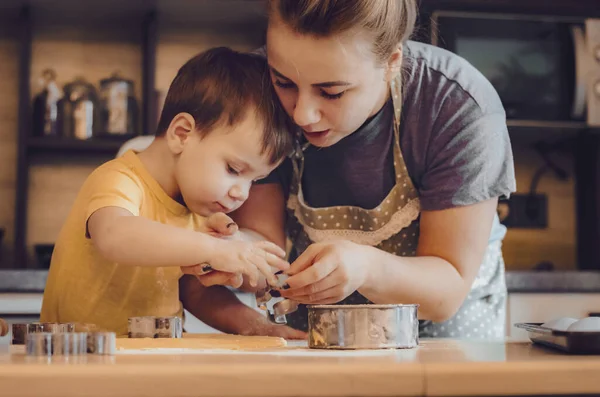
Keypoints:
pixel 82 286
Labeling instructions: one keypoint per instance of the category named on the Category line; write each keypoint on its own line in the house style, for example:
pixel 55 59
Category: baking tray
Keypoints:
pixel 568 342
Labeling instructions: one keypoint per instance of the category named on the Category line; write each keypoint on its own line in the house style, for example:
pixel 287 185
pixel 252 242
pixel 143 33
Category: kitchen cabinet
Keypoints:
pixel 542 307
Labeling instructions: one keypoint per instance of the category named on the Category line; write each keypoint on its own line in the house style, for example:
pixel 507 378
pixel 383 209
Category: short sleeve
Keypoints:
pixel 469 157
pixel 113 187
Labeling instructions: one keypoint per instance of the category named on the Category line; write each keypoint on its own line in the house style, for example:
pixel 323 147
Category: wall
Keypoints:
pixel 74 51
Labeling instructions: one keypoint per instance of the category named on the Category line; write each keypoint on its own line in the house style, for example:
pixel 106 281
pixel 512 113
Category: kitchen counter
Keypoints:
pixel 435 368
pixel 516 281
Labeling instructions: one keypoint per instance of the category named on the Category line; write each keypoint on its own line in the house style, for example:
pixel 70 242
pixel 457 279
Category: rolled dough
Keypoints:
pixel 202 342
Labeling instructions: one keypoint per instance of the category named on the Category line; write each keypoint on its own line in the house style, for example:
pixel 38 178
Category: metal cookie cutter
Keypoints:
pixel 276 308
pixel 363 326
pixel 54 328
pixel 102 343
pixel 69 343
pixel 19 331
pixel 38 344
pixel 168 327
pixel 142 327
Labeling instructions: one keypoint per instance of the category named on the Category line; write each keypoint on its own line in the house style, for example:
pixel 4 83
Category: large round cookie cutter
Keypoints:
pixel 363 327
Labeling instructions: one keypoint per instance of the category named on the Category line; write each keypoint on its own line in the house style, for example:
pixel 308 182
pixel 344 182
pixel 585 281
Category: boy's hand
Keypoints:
pixel 217 225
pixel 249 258
pixel 237 258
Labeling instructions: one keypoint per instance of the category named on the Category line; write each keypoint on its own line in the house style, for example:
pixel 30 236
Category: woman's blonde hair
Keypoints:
pixel 391 22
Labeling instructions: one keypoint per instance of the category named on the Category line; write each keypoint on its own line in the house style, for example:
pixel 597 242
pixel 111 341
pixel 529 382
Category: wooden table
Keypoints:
pixel 435 368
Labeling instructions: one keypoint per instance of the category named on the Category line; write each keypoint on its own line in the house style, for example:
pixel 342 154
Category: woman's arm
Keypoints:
pixel 221 309
pixel 451 247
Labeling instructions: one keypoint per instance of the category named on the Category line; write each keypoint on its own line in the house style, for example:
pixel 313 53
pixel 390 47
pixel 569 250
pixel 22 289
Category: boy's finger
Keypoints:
pixel 277 262
pixel 251 271
pixel 260 260
pixel 272 248
pixel 222 224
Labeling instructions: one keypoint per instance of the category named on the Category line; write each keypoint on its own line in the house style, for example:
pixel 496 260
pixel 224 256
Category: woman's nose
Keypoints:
pixel 306 111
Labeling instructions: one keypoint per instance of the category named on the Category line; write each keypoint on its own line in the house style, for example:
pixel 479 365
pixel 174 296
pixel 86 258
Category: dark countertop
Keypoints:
pixel 516 281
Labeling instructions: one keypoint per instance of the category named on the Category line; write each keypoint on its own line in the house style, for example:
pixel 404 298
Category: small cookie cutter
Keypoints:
pixel 102 343
pixel 142 327
pixel 276 308
pixel 168 327
pixel 155 327
pixel 38 344
pixel 19 331
pixel 69 344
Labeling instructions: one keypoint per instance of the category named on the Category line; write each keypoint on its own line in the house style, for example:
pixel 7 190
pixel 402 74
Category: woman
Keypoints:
pixel 391 195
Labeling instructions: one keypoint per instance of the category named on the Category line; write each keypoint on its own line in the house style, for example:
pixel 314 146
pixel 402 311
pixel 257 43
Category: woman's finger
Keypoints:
pixel 197 270
pixel 222 224
pixel 305 260
pixel 327 282
pixel 327 297
pixel 313 274
pixel 215 278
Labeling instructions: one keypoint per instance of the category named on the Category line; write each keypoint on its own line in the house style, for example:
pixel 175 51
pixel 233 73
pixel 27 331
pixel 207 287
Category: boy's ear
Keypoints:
pixel 393 64
pixel 179 131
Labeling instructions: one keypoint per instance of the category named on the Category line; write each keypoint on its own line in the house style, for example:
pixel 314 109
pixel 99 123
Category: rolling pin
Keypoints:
pixel 3 327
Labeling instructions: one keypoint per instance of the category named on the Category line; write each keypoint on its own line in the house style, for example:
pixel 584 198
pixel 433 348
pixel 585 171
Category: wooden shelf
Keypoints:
pixel 94 145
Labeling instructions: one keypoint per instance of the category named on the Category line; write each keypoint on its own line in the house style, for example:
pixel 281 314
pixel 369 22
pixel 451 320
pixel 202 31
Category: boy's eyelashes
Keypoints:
pixel 232 170
pixel 324 94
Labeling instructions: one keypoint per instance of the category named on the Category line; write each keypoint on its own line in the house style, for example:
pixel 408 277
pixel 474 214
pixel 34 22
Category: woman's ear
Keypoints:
pixel 394 64
pixel 179 131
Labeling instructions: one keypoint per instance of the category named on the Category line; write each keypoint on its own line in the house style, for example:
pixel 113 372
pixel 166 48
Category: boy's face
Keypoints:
pixel 215 173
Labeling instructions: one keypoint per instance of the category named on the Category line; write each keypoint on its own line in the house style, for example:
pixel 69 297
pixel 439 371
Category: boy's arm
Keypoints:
pixel 134 240
pixel 219 308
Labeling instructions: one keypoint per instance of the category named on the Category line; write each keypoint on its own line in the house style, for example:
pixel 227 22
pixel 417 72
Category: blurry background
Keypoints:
pixel 80 77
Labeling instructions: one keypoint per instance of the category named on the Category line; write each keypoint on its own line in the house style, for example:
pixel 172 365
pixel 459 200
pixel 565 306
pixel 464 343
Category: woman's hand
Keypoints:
pixel 327 273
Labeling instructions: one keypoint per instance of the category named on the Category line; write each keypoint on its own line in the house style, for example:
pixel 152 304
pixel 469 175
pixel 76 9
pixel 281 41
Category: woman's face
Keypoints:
pixel 329 86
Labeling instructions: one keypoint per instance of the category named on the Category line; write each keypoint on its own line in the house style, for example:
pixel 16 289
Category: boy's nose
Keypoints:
pixel 239 192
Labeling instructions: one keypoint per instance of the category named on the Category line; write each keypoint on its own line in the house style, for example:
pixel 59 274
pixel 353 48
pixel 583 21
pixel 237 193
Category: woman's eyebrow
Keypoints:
pixel 325 84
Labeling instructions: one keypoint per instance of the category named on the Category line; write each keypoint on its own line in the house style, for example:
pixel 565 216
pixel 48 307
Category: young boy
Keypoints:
pixel 140 221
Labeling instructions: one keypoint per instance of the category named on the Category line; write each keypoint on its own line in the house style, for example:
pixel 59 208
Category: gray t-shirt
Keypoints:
pixel 453 137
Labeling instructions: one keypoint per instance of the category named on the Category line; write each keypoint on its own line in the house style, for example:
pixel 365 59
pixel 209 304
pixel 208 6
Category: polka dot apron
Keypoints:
pixel 393 226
